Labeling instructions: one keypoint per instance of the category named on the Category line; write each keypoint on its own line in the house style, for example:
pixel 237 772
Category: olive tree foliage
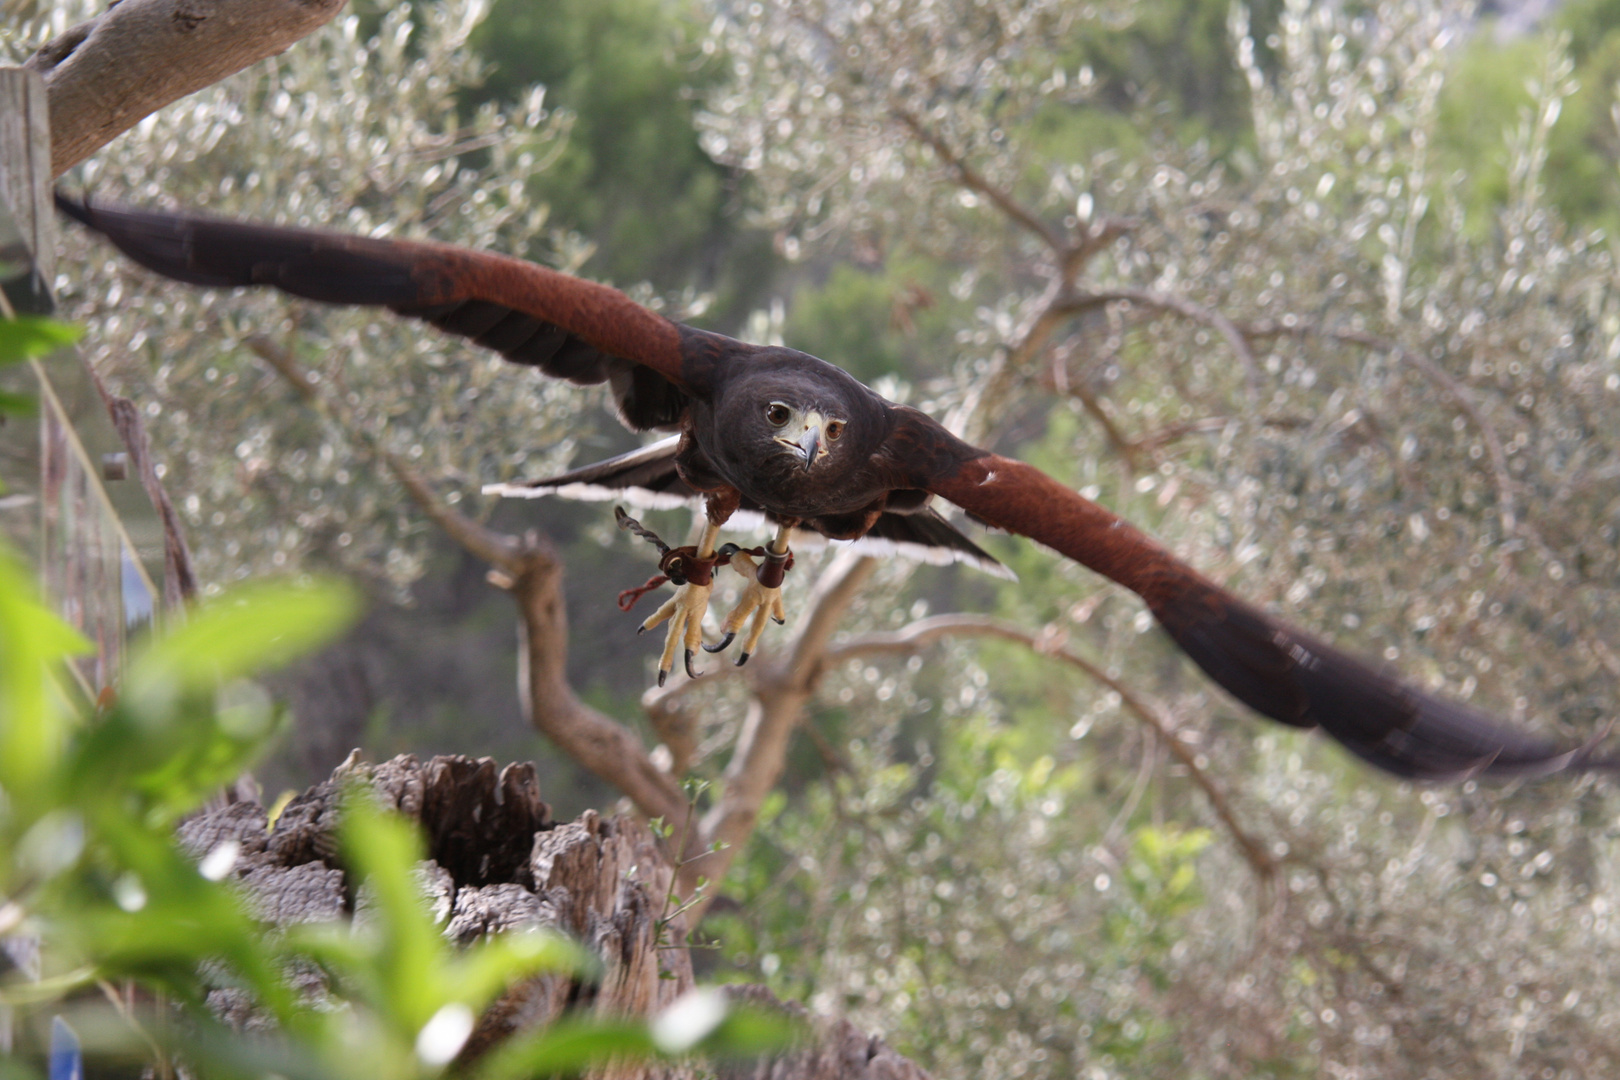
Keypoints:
pixel 1291 363
pixel 357 134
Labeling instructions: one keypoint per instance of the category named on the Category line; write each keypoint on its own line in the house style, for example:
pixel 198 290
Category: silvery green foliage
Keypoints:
pixel 356 134
pixel 1426 468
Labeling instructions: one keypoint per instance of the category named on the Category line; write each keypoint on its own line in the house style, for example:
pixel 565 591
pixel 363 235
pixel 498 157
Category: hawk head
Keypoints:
pixel 805 432
pixel 797 418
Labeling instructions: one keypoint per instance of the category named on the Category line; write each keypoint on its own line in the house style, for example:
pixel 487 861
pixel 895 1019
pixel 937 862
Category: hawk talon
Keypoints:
pixel 720 646
pixel 760 601
pixel 684 613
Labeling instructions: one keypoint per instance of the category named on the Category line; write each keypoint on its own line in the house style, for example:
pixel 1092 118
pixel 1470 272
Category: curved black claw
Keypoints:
pixel 778 622
pixel 743 659
pixel 721 646
pixel 690 674
pixel 662 675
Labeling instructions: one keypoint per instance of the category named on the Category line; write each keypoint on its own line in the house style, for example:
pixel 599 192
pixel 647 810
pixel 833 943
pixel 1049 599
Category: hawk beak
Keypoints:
pixel 809 441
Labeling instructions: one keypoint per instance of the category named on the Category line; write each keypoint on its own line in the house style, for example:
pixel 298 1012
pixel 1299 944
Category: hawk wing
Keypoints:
pixel 567 327
pixel 1268 665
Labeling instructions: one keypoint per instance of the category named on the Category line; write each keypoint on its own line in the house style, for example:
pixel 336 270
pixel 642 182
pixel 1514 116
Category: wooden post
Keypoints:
pixel 27 219
pixel 97 542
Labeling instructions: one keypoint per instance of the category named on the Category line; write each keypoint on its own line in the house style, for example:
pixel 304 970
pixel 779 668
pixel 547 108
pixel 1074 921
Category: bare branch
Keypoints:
pixel 781 690
pixel 180 576
pixel 835 590
pixel 925 632
pixel 1058 382
pixel 603 745
pixel 104 76
pixel 973 180
pixel 1436 374
pixel 1187 309
pixel 530 570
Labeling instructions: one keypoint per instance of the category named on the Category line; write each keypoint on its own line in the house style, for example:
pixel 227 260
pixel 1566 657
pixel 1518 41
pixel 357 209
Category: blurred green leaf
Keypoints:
pixel 406 958
pixel 252 628
pixel 568 1047
pixel 33 640
pixel 487 968
pixel 17 404
pixel 30 336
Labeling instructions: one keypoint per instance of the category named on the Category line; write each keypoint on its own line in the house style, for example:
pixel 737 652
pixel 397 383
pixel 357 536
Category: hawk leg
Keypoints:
pixel 763 597
pixel 694 578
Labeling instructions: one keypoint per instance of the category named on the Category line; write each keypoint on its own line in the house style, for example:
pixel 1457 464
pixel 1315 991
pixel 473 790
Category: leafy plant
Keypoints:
pixel 89 866
pixel 25 338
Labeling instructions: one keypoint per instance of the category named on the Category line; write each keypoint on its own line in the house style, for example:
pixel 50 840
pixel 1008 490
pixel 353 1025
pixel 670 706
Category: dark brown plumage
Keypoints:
pixel 805 443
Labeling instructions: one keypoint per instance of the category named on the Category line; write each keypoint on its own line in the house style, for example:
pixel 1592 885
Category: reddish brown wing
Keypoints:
pixel 569 328
pixel 1269 666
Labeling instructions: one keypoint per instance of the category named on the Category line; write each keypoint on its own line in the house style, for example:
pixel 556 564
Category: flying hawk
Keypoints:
pixel 778 432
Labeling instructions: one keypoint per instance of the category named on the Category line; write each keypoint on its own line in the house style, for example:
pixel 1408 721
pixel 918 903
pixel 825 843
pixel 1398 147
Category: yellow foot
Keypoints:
pixel 757 600
pixel 684 611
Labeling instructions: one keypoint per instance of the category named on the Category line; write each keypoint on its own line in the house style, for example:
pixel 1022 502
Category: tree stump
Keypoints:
pixel 497 861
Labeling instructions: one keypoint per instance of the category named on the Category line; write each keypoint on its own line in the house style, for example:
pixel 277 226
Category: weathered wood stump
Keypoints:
pixel 497 861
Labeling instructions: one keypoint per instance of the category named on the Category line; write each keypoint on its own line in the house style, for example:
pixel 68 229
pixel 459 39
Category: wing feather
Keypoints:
pixel 567 327
pixel 1273 668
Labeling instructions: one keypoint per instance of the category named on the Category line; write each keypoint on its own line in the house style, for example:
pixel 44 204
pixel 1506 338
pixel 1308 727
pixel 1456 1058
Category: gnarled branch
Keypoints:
pixel 531 571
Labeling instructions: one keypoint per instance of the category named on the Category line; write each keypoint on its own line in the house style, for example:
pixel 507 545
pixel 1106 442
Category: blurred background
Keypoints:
pixel 1352 346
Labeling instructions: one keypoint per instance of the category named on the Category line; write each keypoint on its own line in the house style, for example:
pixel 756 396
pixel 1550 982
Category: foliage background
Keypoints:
pixel 977 852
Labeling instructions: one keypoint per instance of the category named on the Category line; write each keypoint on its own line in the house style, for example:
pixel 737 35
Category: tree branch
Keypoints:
pixel 925 632
pixel 973 180
pixel 530 570
pixel 106 75
pixel 180 576
pixel 1436 374
pixel 1058 381
pixel 781 690
pixel 179 573
pixel 1187 309
pixel 606 747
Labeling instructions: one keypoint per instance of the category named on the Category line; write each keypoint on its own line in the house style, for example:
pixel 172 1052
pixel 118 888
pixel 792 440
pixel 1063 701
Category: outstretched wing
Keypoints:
pixel 1273 668
pixel 567 327
pixel 647 478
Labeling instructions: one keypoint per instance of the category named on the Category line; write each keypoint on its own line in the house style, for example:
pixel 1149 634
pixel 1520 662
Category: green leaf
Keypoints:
pixel 17 404
pixel 33 640
pixel 405 977
pixel 252 628
pixel 492 965
pixel 30 336
pixel 569 1047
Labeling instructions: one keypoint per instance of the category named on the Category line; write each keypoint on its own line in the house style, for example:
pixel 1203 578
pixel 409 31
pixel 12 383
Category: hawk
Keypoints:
pixel 774 431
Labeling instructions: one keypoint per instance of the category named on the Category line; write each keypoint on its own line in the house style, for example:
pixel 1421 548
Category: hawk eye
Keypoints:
pixel 835 429
pixel 778 413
